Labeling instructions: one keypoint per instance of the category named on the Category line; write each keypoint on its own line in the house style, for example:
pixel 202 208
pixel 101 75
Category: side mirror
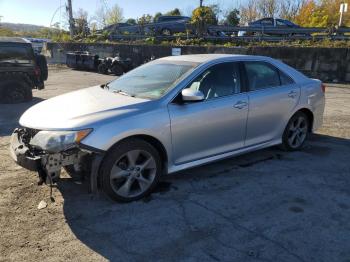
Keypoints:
pixel 190 95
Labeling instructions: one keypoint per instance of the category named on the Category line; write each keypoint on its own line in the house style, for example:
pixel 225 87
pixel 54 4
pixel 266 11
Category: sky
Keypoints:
pixel 41 12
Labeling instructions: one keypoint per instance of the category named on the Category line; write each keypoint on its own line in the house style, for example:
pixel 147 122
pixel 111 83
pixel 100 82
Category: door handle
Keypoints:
pixel 292 94
pixel 240 104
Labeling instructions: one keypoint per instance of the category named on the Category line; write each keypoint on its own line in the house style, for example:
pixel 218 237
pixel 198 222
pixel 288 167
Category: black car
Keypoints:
pixel 21 70
pixel 168 25
pixel 267 23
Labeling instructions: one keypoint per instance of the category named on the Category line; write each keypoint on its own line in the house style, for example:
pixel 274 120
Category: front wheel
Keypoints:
pixel 296 132
pixel 131 170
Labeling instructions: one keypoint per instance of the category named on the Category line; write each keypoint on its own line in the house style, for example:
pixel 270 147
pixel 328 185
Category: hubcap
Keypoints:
pixel 133 173
pixel 297 132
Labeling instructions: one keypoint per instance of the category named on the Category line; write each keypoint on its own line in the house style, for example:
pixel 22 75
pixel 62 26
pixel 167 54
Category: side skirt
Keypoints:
pixel 204 161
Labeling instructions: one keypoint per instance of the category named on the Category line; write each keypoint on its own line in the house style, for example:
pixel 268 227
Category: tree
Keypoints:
pixel 131 21
pixel 217 11
pixel 268 8
pixel 232 17
pixel 156 16
pixel 145 19
pixel 249 12
pixel 114 15
pixel 202 17
pixel 100 16
pixel 81 23
pixel 176 11
pixel 290 8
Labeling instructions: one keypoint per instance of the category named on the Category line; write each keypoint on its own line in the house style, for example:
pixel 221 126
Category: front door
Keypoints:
pixel 216 125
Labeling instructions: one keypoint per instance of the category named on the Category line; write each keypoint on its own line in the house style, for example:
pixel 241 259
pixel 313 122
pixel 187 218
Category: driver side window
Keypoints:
pixel 218 81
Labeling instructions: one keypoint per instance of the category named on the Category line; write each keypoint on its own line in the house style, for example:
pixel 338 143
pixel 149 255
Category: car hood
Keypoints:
pixel 79 109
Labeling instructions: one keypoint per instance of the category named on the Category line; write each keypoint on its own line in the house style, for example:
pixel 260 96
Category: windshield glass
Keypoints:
pixel 151 80
pixel 19 54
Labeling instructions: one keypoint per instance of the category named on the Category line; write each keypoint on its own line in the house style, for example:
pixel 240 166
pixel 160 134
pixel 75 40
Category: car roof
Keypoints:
pixel 14 40
pixel 202 58
pixel 208 58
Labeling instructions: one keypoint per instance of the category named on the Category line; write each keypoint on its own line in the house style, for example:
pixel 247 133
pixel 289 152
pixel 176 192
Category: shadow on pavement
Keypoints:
pixel 11 113
pixel 233 210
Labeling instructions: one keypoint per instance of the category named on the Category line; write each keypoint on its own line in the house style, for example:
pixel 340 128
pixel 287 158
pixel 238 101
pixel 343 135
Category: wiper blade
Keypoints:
pixel 123 93
pixel 104 86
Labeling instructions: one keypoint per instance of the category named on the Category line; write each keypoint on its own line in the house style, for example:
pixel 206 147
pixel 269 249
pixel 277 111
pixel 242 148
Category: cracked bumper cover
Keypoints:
pixel 51 164
pixel 21 154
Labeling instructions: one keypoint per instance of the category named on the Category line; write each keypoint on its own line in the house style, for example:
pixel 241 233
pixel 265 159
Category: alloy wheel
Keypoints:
pixel 297 132
pixel 133 173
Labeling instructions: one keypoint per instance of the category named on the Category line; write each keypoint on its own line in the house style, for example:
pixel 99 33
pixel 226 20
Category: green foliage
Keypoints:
pixel 131 21
pixel 176 11
pixel 114 15
pixel 232 18
pixel 6 32
pixel 204 15
pixel 145 19
pixel 156 16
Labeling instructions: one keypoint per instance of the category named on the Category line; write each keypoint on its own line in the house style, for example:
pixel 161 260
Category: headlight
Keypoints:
pixel 56 141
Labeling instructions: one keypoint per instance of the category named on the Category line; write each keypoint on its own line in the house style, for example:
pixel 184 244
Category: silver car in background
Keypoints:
pixel 168 115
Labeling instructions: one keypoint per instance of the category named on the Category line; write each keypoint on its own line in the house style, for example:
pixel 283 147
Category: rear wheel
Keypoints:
pixel 102 68
pixel 296 132
pixel 117 70
pixel 166 32
pixel 16 90
pixel 131 170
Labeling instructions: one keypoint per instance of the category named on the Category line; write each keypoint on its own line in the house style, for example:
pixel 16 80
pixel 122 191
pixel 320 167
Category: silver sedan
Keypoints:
pixel 168 115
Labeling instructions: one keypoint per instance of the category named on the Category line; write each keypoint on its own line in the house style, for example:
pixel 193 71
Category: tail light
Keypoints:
pixel 37 71
pixel 323 87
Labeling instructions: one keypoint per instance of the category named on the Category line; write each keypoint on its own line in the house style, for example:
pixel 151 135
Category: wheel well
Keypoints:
pixel 154 142
pixel 310 117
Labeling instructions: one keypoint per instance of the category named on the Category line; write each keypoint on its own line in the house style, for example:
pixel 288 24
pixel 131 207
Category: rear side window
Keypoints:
pixel 262 75
pixel 18 53
pixel 285 80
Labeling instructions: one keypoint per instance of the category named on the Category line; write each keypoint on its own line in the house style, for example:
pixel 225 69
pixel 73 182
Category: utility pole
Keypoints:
pixel 71 19
pixel 200 3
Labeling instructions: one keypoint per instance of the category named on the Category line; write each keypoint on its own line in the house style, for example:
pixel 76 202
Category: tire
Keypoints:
pixel 166 32
pixel 102 69
pixel 122 176
pixel 296 132
pixel 42 64
pixel 117 70
pixel 15 88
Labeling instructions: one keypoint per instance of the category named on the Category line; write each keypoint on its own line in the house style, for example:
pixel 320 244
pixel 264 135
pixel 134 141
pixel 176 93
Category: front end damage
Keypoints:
pixel 49 164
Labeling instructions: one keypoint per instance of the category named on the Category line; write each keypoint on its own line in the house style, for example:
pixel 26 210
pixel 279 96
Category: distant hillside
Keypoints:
pixel 22 27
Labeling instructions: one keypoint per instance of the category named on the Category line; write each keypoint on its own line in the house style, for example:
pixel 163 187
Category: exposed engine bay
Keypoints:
pixel 47 164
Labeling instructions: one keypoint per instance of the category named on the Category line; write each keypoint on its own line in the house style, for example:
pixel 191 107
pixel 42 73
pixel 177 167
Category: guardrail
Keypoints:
pixel 248 33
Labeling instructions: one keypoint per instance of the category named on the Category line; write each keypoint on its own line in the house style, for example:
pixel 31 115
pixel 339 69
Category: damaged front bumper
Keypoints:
pixel 49 165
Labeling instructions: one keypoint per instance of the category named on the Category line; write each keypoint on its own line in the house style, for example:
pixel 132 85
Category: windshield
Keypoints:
pixel 18 54
pixel 151 80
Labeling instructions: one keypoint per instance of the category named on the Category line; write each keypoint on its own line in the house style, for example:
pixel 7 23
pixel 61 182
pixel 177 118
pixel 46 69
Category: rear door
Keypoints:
pixel 216 125
pixel 273 95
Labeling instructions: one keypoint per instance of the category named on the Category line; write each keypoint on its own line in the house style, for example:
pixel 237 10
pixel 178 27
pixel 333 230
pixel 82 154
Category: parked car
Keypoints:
pixel 168 115
pixel 268 23
pixel 21 70
pixel 169 25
